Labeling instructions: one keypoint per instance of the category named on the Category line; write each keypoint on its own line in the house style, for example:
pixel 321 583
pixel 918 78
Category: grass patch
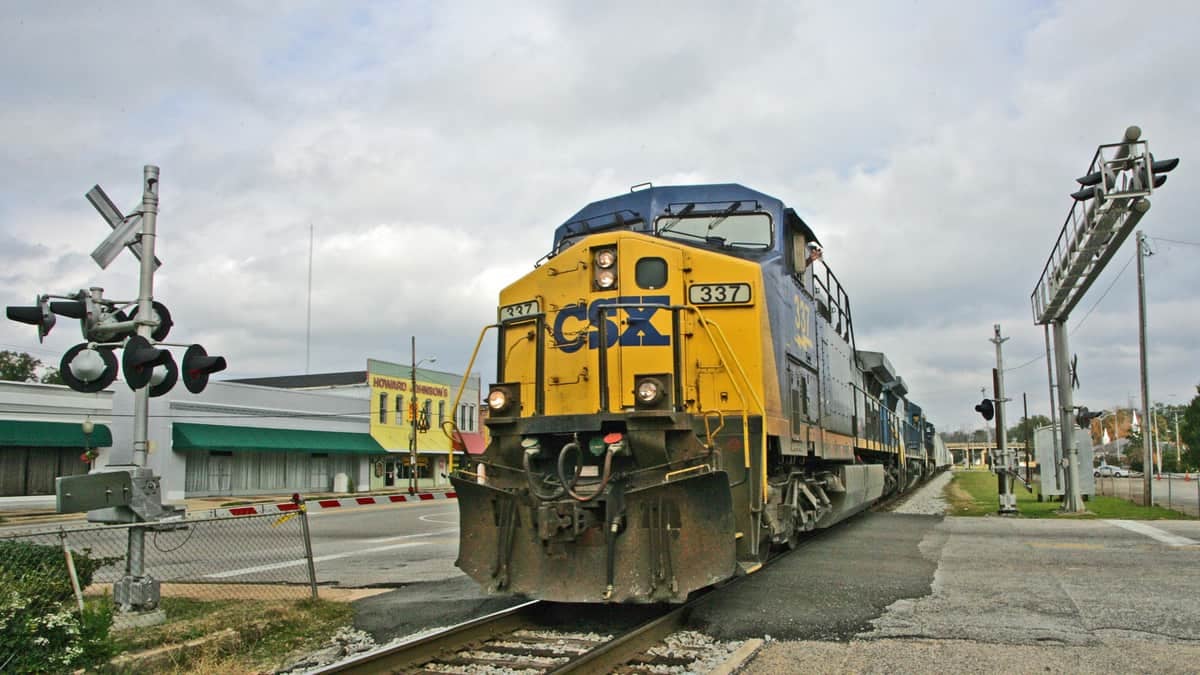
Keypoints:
pixel 974 493
pixel 271 631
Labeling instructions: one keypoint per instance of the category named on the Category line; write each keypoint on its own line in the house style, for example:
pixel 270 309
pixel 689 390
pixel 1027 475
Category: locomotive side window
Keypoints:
pixel 651 273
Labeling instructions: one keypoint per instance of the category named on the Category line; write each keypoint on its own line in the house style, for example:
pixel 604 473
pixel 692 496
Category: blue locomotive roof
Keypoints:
pixel 638 209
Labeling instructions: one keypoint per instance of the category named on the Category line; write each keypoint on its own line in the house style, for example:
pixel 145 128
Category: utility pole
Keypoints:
pixel 413 412
pixel 1003 463
pixel 1026 435
pixel 1178 452
pixel 1147 453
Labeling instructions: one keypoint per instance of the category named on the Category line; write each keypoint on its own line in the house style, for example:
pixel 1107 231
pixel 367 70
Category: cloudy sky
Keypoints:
pixel 433 147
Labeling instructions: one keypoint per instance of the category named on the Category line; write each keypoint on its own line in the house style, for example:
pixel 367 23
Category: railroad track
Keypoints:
pixel 528 638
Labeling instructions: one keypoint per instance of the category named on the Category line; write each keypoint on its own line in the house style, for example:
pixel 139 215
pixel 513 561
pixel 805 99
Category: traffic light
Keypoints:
pixel 1084 417
pixel 197 366
pixel 88 370
pixel 139 360
pixel 1162 167
pixel 987 409
pixel 39 315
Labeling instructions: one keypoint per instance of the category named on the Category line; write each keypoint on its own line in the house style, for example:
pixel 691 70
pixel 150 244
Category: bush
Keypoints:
pixel 39 629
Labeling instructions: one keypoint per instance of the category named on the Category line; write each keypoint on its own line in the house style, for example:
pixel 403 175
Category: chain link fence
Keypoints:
pixel 258 557
pixel 1170 492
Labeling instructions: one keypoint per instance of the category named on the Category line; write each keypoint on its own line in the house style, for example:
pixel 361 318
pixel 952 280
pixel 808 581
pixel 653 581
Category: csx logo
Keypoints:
pixel 638 329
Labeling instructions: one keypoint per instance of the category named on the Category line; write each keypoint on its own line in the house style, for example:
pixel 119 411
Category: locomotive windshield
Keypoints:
pixel 747 231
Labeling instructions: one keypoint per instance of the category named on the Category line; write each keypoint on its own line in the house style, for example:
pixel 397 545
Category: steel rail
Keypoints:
pixel 411 654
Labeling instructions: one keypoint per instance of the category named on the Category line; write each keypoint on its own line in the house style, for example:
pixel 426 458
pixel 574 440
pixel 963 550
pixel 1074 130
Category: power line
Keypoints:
pixel 1105 294
pixel 1039 357
pixel 1176 241
pixel 1035 359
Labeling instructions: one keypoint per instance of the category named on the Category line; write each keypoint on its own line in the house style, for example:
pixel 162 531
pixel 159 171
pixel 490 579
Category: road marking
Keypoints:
pixel 435 533
pixel 1153 533
pixel 426 518
pixel 302 561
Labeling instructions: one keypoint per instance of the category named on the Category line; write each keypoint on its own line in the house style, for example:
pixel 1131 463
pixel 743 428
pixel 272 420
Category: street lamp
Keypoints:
pixel 413 416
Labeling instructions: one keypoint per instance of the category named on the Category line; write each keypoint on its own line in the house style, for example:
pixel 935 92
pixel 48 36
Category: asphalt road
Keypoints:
pixel 370 546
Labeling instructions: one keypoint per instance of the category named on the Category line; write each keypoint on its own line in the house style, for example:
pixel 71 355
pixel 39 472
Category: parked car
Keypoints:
pixel 1110 471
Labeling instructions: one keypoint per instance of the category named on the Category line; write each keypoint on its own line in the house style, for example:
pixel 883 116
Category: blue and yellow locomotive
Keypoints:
pixel 678 391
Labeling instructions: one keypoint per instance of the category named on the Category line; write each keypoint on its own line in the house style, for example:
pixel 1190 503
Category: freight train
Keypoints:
pixel 678 392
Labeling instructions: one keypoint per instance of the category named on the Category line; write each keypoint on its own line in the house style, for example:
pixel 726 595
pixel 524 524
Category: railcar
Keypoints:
pixel 678 392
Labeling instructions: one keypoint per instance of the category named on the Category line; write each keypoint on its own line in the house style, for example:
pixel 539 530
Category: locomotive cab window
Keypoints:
pixel 651 273
pixel 749 232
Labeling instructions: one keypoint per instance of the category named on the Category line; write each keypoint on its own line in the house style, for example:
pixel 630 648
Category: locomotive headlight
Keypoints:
pixel 605 269
pixel 606 279
pixel 497 400
pixel 649 391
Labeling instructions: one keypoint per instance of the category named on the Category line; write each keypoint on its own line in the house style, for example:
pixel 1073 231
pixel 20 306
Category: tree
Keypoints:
pixel 18 367
pixel 21 367
pixel 1023 431
pixel 1189 430
pixel 1133 450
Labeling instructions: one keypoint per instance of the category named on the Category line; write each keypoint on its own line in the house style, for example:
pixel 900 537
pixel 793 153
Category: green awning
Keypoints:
pixel 186 436
pixel 53 435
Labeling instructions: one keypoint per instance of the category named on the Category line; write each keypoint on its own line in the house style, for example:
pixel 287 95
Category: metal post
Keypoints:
pixel 145 311
pixel 136 591
pixel 1053 419
pixel 1025 437
pixel 308 555
pixel 415 411
pixel 1008 501
pixel 1147 458
pixel 1072 499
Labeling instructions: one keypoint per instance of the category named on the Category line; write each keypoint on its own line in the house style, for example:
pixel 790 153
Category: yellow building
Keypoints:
pixel 396 396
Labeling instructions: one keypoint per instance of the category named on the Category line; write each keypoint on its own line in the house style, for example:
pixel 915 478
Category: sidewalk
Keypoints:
pixel 39 509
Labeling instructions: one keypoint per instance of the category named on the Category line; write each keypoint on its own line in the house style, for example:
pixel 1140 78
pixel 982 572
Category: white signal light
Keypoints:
pixel 87 366
pixel 606 279
pixel 606 258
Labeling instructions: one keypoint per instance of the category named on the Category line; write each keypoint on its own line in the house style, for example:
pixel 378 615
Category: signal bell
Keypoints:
pixel 88 370
pixel 197 366
pixel 139 360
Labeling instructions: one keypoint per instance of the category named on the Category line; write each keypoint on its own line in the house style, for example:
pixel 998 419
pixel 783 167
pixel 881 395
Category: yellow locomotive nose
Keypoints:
pixel 677 390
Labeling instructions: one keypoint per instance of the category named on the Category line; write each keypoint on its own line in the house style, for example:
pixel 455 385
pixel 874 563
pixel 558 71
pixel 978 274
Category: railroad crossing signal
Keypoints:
pixel 39 315
pixel 127 230
pixel 91 365
pixel 197 366
pixel 987 409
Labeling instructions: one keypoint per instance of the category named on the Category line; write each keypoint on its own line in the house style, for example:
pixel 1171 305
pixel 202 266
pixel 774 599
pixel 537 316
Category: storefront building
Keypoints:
pixel 397 395
pixel 42 435
pixel 320 433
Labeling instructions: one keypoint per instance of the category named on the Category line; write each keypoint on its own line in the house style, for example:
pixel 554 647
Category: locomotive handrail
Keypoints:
pixel 705 323
pixel 462 386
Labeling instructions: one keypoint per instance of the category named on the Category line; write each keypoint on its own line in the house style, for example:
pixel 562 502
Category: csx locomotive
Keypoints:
pixel 678 391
